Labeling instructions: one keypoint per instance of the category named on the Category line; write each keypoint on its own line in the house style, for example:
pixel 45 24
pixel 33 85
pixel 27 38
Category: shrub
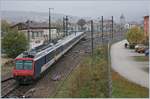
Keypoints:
pixel 14 43
pixel 91 77
pixel 135 35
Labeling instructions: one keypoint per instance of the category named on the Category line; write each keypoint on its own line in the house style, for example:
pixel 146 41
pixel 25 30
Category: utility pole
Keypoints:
pixel 99 27
pixel 102 29
pixel 109 70
pixel 67 25
pixel 64 26
pixel 112 27
pixel 50 39
pixel 92 36
pixel 28 28
pixel 75 29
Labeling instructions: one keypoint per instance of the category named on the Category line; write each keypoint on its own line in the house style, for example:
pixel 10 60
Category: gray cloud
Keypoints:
pixel 132 10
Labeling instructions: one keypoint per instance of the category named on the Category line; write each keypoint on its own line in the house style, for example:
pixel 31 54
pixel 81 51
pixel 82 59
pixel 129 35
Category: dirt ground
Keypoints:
pixel 6 69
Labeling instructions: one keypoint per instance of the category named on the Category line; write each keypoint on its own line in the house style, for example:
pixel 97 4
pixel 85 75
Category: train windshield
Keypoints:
pixel 23 65
pixel 19 64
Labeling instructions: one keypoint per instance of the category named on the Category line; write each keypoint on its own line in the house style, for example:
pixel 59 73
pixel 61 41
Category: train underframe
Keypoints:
pixel 24 79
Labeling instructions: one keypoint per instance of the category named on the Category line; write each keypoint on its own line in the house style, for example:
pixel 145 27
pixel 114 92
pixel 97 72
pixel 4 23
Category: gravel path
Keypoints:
pixel 123 62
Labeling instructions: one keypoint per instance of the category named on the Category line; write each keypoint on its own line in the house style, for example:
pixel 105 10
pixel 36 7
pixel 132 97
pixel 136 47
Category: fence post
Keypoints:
pixel 92 36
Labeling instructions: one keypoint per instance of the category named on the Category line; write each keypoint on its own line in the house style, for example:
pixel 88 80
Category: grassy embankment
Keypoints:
pixel 123 88
pixel 141 58
pixel 89 79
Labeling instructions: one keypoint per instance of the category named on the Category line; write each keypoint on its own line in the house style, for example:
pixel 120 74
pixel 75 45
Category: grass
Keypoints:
pixel 89 79
pixel 141 58
pixel 122 88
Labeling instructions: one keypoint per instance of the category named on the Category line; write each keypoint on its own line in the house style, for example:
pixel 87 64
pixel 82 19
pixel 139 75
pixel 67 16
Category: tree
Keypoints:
pixel 5 27
pixel 81 23
pixel 14 43
pixel 135 35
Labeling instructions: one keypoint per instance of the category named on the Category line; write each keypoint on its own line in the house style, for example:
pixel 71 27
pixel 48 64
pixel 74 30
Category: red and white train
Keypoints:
pixel 29 68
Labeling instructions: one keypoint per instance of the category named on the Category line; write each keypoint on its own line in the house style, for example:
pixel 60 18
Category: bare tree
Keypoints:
pixel 81 23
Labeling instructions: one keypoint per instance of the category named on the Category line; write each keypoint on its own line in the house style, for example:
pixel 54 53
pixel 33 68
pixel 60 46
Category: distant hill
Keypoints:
pixel 21 16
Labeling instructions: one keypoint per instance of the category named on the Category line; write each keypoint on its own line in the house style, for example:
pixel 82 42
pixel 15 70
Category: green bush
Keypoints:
pixel 14 43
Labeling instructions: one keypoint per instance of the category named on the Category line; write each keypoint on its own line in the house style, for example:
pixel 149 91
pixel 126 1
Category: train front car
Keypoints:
pixel 23 71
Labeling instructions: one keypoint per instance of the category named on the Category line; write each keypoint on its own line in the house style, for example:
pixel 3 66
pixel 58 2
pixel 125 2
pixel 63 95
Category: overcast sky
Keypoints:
pixel 132 9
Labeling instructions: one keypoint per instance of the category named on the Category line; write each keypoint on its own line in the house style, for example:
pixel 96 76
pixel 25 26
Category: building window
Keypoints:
pixel 32 35
pixel 37 34
pixel 40 34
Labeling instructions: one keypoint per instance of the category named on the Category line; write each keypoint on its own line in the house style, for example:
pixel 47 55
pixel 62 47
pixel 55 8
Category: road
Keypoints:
pixel 122 62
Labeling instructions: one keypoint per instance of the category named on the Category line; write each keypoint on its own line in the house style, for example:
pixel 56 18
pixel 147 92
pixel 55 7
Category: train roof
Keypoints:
pixel 38 53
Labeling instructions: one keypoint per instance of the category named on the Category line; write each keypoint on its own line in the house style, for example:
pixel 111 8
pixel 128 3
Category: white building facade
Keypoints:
pixel 38 32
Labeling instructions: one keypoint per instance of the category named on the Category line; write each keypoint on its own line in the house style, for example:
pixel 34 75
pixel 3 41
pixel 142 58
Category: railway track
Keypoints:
pixel 7 79
pixel 64 67
pixel 46 86
pixel 11 89
pixel 22 91
pixel 7 86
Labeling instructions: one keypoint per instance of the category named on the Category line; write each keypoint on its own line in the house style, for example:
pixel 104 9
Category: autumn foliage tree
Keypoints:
pixel 135 35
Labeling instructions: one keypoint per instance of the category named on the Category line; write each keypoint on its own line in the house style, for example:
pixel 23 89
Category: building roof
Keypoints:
pixel 32 25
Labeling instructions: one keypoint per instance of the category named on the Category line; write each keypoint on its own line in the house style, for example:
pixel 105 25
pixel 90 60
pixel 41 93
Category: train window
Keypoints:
pixel 23 65
pixel 27 65
pixel 19 64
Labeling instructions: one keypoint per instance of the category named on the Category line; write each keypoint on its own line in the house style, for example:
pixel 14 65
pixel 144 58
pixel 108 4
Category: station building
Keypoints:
pixel 38 32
